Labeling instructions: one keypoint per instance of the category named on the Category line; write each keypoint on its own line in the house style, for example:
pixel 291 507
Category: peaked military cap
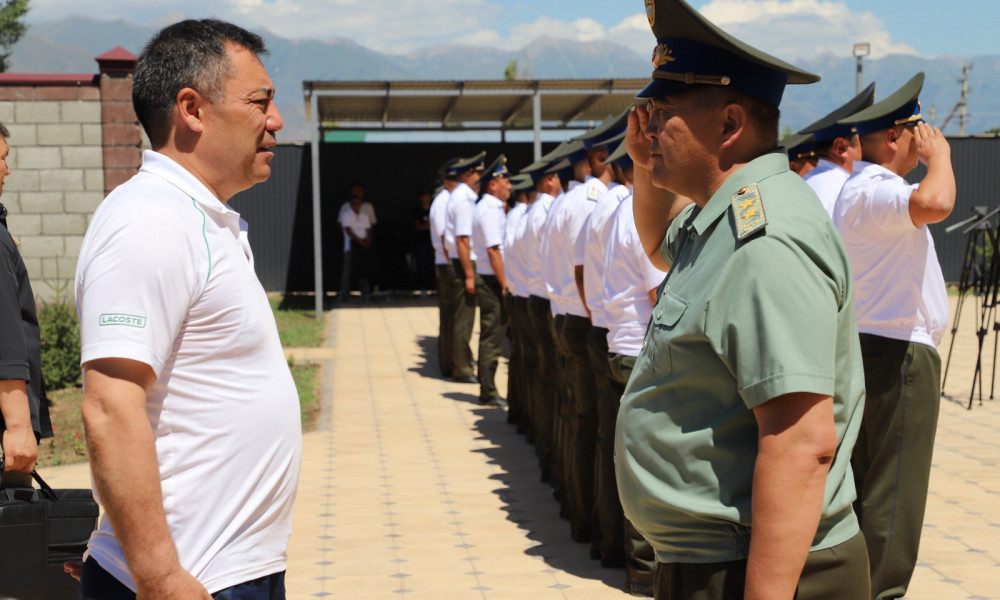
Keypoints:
pixel 445 170
pixel 602 134
pixel 831 126
pixel 559 167
pixel 690 50
pixel 521 183
pixel 619 154
pixel 468 164
pixel 497 169
pixel 902 107
pixel 574 150
pixel 799 145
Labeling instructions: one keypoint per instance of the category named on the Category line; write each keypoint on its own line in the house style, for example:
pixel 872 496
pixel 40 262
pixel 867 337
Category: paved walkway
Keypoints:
pixel 411 490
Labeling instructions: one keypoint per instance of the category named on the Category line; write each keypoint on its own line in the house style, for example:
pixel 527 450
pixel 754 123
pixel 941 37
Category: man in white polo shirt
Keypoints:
pixel 191 413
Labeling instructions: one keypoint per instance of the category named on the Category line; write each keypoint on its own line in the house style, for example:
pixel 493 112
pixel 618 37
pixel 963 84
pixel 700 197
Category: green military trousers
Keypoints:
pixel 464 305
pixel 446 316
pixel 492 329
pixel 892 457
pixel 640 559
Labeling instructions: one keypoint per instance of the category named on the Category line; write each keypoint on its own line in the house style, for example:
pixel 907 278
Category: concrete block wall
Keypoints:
pixel 73 138
pixel 57 174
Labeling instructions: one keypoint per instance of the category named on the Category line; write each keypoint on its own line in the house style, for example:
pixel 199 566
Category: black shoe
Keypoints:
pixel 644 590
pixel 613 562
pixel 496 401
pixel 595 553
pixel 466 379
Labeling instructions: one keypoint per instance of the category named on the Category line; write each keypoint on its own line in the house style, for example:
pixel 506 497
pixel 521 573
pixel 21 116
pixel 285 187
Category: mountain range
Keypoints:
pixel 69 45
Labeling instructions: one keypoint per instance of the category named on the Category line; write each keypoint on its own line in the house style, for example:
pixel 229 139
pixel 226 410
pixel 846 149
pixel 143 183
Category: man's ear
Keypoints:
pixel 841 146
pixel 190 106
pixel 734 122
pixel 891 135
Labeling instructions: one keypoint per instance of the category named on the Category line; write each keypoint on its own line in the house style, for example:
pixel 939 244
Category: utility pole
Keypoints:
pixel 961 104
pixel 860 51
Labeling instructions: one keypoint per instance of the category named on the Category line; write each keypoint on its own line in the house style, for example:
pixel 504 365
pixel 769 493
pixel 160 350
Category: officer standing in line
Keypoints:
pixel 736 427
pixel 442 267
pixel 489 221
pixel 458 228
pixel 517 297
pixel 837 147
pixel 542 374
pixel 608 540
pixel 902 312
pixel 631 282
pixel 801 155
pixel 577 404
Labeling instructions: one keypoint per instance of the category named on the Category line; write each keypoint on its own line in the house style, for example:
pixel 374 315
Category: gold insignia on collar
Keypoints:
pixel 748 211
pixel 651 12
pixel 662 54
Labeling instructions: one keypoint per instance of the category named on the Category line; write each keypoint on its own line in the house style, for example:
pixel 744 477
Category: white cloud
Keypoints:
pixel 802 28
pixel 791 29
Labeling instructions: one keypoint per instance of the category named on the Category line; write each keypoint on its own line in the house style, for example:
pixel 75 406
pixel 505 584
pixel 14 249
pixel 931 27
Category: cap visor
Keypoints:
pixel 659 88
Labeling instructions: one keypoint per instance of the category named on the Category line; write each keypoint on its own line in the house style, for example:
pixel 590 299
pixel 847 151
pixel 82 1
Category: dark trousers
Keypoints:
pixel 98 584
pixel 581 426
pixel 609 521
pixel 446 317
pixel 892 457
pixel 544 392
pixel 465 317
pixel 639 556
pixel 561 415
pixel 492 329
pixel 837 573
pixel 529 365
pixel 515 369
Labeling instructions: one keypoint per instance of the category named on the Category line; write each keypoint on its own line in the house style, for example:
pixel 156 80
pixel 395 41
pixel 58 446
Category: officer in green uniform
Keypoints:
pixel 736 427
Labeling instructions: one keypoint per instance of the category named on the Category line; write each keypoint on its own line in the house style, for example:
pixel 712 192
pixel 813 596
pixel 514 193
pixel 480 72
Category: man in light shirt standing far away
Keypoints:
pixel 192 417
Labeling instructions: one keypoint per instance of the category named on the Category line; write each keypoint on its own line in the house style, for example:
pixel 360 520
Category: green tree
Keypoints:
pixel 993 130
pixel 510 72
pixel 11 28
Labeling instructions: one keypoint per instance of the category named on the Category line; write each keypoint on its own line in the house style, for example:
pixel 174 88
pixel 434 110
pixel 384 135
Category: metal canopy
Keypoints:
pixel 454 106
pixel 457 105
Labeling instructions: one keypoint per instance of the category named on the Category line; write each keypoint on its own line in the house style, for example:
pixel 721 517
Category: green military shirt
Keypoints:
pixel 737 323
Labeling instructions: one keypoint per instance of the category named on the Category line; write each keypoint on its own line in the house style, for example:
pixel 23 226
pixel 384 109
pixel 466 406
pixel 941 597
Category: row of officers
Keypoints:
pixel 588 303
pixel 565 269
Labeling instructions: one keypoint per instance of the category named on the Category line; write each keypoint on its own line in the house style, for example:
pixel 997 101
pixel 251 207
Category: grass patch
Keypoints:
pixel 307 382
pixel 67 446
pixel 297 327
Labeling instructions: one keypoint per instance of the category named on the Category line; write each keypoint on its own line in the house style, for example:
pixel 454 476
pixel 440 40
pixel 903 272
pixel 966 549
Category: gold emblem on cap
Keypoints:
pixel 651 11
pixel 662 54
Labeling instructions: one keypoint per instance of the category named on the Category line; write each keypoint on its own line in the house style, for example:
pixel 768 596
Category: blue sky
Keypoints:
pixel 788 28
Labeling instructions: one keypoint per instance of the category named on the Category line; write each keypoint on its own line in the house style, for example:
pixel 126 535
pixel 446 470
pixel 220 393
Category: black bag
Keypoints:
pixel 39 530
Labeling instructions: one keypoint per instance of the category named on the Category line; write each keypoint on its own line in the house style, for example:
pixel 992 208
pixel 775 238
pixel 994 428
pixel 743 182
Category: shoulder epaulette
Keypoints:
pixel 748 210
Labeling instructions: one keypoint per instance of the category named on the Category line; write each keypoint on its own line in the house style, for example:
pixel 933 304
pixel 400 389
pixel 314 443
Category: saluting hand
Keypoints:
pixel 931 144
pixel 636 141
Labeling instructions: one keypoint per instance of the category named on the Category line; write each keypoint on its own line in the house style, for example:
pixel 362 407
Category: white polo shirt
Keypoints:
pixel 357 222
pixel 826 180
pixel 629 276
pixel 534 224
pixel 165 277
pixel 458 221
pixel 899 290
pixel 489 222
pixel 565 222
pixel 589 251
pixel 438 217
pixel 511 249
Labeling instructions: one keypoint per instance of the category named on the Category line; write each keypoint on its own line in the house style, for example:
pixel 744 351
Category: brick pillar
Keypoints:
pixel 121 133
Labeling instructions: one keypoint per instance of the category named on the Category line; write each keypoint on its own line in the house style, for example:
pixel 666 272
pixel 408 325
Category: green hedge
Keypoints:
pixel 60 332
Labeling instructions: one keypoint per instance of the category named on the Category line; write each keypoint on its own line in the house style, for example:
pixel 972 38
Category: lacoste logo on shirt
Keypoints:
pixel 107 320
